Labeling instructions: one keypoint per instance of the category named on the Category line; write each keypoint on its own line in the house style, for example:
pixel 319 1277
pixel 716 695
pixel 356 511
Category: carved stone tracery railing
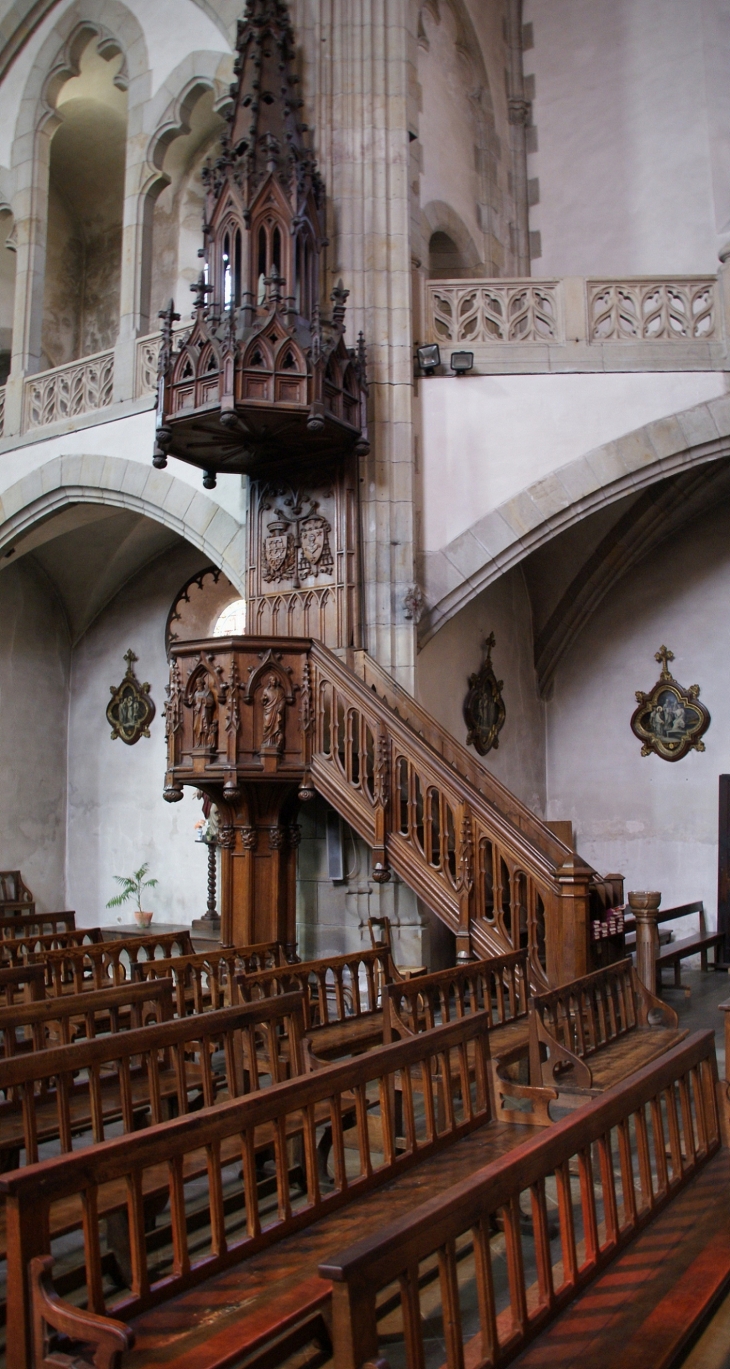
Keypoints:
pixel 495 874
pixel 67 391
pixel 647 309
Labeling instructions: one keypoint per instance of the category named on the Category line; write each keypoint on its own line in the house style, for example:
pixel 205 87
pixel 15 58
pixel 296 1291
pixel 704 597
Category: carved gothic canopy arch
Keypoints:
pixel 263 245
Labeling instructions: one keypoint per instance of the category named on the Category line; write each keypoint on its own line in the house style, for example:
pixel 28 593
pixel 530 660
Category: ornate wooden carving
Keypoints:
pixel 130 709
pixel 670 720
pixel 484 711
pixel 262 379
pixel 303 577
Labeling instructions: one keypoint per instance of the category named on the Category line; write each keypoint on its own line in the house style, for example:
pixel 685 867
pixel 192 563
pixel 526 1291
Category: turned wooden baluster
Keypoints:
pixel 645 907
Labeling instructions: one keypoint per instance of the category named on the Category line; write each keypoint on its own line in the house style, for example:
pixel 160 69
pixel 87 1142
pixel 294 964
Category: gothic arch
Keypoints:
pixel 100 479
pixel 456 573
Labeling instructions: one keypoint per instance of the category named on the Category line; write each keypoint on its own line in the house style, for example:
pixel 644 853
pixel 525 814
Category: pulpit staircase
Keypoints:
pixel 430 811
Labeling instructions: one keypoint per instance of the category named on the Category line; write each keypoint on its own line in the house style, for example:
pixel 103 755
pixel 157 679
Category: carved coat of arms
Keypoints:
pixel 278 561
pixel 669 720
pixel 130 709
pixel 315 552
pixel 484 710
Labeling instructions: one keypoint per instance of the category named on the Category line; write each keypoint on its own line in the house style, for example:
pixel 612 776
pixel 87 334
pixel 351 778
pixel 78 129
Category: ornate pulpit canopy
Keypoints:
pixel 262 379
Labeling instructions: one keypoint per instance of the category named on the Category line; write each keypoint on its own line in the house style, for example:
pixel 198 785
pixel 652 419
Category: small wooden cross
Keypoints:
pixel 664 655
pixel 130 657
pixel 490 642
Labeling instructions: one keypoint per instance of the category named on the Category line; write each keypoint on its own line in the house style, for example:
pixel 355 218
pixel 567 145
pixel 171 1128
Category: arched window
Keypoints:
pixel 7 291
pixel 85 213
pixel 232 621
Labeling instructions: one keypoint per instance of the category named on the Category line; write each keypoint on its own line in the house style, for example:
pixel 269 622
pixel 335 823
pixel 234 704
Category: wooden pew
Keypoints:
pixel 60 1021
pixel 672 953
pixel 593 1032
pixel 167 1069
pixel 260 1279
pixel 22 984
pixel 80 968
pixel 342 996
pixel 27 947
pixel 207 979
pixel 498 986
pixel 486 1266
pixel 33 924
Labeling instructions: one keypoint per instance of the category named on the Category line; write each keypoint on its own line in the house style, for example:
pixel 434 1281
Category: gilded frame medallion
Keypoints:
pixel 669 720
pixel 484 710
pixel 130 709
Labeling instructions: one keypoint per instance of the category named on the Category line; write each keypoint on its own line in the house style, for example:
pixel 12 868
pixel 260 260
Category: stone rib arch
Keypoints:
pixel 100 479
pixel 458 572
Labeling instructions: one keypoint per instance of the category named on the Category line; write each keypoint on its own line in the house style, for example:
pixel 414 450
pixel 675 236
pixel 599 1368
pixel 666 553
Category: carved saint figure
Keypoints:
pixel 205 725
pixel 273 701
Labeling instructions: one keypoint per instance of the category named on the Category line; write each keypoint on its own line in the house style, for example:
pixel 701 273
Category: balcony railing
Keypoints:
pixel 576 323
pixel 67 391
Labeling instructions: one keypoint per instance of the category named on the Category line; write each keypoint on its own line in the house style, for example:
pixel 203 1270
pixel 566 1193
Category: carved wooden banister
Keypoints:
pixel 249 718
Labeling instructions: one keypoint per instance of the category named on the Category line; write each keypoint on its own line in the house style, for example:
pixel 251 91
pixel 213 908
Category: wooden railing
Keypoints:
pixel 498 885
pixel 582 1190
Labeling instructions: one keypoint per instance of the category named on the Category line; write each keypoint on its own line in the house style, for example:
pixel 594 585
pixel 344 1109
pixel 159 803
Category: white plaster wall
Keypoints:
pixel 117 817
pixel 486 438
pixel 624 152
pixel 446 662
pixel 34 676
pixel 654 821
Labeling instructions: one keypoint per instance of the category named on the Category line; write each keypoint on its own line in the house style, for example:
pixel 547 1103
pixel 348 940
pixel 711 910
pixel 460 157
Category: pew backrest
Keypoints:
pixel 335 987
pixel 77 969
pixel 207 979
pixel 24 948
pixel 604 1189
pixel 498 986
pixel 22 984
pixel 61 1020
pixel 353 1093
pixel 36 924
pixel 85 1086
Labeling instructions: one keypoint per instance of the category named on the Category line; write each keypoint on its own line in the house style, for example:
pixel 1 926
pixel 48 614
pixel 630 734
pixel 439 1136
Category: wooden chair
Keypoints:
pixel 579 1198
pixel 260 1278
pixel 14 893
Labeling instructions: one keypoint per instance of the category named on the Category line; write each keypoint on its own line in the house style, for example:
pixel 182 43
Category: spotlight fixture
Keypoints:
pixel 461 362
pixel 429 358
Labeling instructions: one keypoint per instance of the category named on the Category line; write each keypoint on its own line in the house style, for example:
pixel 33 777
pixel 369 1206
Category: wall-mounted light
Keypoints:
pixel 429 358
pixel 461 362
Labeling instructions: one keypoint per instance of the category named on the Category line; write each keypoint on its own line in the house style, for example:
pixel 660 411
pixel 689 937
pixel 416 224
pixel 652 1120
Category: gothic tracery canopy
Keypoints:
pixel 262 378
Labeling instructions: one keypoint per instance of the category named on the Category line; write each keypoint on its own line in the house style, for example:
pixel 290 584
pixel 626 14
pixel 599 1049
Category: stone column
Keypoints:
pixel 645 907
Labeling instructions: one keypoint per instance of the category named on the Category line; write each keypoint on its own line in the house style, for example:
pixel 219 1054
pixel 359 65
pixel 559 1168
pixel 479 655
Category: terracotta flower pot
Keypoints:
pixel 142 919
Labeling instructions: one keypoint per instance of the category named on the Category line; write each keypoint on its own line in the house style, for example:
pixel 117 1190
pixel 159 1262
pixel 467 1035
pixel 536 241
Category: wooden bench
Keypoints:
pixel 22 984
pixel 18 950
pixel 342 998
pixel 239 1286
pixel 552 1234
pixel 30 924
pixel 672 953
pixel 207 978
pixel 60 1021
pixel 593 1032
pixel 76 969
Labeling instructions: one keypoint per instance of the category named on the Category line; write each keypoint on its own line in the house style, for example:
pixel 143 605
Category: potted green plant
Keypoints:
pixel 132 887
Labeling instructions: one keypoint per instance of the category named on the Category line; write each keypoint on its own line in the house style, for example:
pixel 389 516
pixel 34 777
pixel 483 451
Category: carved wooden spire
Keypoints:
pixel 262 379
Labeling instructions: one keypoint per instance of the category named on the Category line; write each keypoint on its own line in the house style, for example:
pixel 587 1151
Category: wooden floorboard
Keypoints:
pixel 644 1310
